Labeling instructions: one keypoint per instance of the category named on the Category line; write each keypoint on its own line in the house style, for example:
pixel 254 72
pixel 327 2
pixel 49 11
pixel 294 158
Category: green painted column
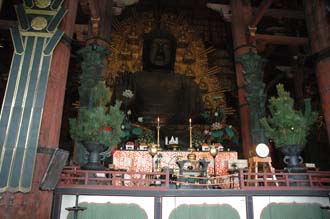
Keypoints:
pixel 253 65
pixel 34 41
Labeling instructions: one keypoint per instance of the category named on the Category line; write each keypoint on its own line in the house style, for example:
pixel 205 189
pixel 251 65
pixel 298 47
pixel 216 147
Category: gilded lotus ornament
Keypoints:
pixel 42 3
pixel 39 23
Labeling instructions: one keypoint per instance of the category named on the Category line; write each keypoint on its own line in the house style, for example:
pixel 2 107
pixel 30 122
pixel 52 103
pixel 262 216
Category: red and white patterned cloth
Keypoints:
pixel 140 161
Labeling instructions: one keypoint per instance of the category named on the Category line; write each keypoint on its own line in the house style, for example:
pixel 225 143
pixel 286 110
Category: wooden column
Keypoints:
pixel 241 17
pixel 53 108
pixel 100 12
pixel 52 115
pixel 101 15
pixel 37 203
pixel 317 17
pixel 104 8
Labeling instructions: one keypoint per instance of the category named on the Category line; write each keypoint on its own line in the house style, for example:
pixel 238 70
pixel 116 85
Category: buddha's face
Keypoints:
pixel 160 52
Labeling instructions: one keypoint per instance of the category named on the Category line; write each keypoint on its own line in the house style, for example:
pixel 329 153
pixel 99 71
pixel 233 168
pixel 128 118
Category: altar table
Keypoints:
pixel 141 161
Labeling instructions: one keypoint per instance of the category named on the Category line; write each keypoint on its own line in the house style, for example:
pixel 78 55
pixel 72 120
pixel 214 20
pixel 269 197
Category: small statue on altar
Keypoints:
pixel 173 143
pixel 173 140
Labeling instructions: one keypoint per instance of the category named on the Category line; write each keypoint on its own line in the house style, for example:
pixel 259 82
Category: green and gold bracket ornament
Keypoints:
pixel 34 42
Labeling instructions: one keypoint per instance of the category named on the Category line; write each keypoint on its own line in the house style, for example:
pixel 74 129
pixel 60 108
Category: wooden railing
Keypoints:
pixel 74 177
pixel 281 180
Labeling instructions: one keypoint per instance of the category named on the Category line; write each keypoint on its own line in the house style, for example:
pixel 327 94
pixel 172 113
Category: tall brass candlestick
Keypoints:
pixel 158 127
pixel 190 134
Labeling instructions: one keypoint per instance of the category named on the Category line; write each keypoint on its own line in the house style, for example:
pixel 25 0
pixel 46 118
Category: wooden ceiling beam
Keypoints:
pixel 6 24
pixel 276 13
pixel 282 40
pixel 92 8
pixel 81 30
pixel 284 13
pixel 260 12
pixel 269 39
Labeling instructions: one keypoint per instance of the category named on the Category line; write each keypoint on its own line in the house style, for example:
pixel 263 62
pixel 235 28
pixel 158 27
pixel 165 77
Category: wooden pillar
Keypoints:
pixel 241 17
pixel 36 203
pixel 52 115
pixel 101 19
pixel 101 12
pixel 317 17
pixel 104 8
pixel 53 107
pixel 298 77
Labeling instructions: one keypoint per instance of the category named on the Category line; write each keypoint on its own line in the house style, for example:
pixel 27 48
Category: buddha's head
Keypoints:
pixel 159 51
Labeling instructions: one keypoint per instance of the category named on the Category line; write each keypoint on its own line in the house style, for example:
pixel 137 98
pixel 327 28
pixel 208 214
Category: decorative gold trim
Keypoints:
pixel 39 23
pixel 19 20
pixel 58 7
pixel 42 3
pixel 14 44
pixel 40 12
pixel 10 116
pixel 41 63
pixel 26 90
pixel 36 34
pixel 54 17
pixel 55 43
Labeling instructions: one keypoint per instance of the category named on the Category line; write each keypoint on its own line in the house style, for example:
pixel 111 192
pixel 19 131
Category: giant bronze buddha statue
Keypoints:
pixel 158 91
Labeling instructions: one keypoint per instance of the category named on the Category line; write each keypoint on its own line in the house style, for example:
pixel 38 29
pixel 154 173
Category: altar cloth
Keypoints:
pixel 141 161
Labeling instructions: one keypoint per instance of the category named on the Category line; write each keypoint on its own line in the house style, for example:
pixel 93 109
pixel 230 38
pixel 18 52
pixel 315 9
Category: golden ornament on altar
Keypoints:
pixel 173 147
pixel 191 156
pixel 39 23
pixel 42 3
pixel 152 149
